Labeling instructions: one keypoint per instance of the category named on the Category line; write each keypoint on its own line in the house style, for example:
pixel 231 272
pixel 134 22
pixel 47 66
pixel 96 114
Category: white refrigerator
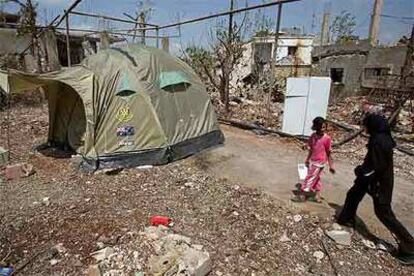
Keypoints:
pixel 305 99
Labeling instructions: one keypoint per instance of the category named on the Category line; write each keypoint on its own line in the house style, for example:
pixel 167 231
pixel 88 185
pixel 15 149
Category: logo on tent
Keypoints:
pixel 124 115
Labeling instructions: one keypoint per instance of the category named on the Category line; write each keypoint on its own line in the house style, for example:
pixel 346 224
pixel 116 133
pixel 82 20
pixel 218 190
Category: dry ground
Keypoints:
pixel 240 226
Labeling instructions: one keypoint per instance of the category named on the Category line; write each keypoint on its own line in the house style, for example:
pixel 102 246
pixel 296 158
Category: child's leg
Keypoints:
pixel 317 186
pixel 310 178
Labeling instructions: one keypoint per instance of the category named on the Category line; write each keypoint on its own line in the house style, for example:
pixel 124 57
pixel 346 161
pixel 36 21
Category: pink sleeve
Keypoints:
pixel 310 141
pixel 328 143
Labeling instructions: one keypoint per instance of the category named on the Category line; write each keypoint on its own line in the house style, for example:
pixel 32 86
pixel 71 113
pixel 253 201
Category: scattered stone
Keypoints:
pixel 102 254
pixel 382 247
pixel 93 270
pixel 189 185
pixel 235 213
pixel 297 218
pixel 60 248
pixel 46 201
pixel 284 237
pixel 100 245
pixel 110 171
pixel 341 237
pixel 71 207
pixel 369 244
pixel 146 167
pixel 319 255
pixel 53 262
pixel 336 226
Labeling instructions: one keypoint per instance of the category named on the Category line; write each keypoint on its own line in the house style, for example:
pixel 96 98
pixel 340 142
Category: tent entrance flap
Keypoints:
pixel 67 119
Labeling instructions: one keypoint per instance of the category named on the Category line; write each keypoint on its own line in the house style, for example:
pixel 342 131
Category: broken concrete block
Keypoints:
pixel 154 232
pixel 341 237
pixel 102 254
pixel 195 262
pixel 13 172
pixel 165 264
pixel 18 171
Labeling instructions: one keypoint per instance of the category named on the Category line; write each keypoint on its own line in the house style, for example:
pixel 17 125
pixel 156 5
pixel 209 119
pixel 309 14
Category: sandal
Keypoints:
pixel 299 199
pixel 314 199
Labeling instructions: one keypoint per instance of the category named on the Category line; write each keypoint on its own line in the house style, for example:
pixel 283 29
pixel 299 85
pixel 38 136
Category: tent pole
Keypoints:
pixel 68 40
pixel 157 34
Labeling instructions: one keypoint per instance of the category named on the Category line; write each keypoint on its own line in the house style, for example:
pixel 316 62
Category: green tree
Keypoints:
pixel 342 27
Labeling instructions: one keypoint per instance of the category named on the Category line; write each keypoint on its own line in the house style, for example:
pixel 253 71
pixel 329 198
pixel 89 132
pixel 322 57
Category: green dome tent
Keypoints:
pixel 125 107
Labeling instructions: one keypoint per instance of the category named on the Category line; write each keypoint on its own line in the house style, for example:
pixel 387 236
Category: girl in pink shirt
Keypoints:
pixel 318 157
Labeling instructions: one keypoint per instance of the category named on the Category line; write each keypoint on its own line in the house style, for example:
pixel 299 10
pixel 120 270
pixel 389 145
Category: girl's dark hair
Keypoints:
pixel 318 123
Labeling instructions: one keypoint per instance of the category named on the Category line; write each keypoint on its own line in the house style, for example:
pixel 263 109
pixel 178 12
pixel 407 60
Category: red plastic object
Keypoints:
pixel 159 220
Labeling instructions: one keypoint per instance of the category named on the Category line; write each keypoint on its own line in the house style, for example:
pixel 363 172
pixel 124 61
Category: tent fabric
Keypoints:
pixel 172 78
pixel 112 107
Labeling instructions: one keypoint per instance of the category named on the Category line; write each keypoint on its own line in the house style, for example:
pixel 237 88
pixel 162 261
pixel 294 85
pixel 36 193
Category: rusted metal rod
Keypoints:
pixel 76 3
pixel 110 18
pixel 265 5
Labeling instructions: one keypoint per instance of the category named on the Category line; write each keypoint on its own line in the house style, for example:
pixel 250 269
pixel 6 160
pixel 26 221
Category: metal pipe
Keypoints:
pixel 68 40
pixel 77 2
pixel 112 32
pixel 225 13
pixel 110 18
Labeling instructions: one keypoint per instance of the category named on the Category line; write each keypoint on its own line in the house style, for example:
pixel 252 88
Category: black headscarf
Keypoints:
pixel 376 126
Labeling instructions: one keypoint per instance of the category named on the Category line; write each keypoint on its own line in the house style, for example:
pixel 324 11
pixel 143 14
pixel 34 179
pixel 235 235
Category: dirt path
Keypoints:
pixel 270 164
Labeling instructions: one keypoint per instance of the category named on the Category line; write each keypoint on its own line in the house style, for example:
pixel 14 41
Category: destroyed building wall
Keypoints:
pixel 14 56
pixel 356 67
pixel 345 72
pixel 383 61
pixel 294 57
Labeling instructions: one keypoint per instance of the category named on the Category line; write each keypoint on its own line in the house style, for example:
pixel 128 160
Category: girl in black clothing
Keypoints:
pixel 376 177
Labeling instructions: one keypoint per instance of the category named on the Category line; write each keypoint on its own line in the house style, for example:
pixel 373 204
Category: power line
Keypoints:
pixel 397 17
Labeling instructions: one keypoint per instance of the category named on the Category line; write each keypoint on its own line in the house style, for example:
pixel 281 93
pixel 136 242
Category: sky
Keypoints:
pixel 305 14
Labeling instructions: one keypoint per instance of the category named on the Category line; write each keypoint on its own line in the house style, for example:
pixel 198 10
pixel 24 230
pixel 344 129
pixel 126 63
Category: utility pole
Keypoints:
pixel 375 22
pixel 228 73
pixel 325 28
pixel 409 59
pixel 141 20
pixel 274 60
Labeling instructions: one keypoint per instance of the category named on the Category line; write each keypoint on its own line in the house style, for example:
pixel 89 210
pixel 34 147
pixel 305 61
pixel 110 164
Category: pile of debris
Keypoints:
pixel 171 254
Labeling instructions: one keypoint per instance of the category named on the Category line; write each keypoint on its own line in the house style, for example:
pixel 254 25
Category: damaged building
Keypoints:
pixel 356 66
pixel 14 47
pixel 293 57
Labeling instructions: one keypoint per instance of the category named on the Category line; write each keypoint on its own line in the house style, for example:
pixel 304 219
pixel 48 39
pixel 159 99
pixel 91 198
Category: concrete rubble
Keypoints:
pixel 175 255
pixel 341 237
pixel 172 254
pixel 17 171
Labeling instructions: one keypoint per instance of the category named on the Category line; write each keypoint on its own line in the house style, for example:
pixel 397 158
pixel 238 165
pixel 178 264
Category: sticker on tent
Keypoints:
pixel 125 143
pixel 125 131
pixel 124 115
